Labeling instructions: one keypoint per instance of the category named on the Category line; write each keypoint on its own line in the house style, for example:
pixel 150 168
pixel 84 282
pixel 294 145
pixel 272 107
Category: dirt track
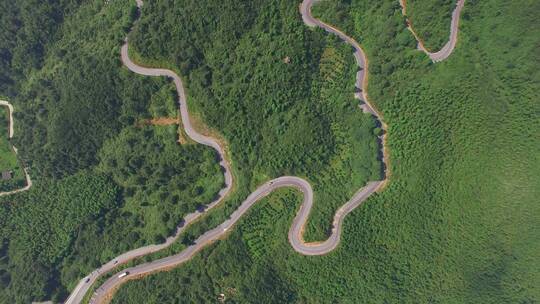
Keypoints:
pixel 10 136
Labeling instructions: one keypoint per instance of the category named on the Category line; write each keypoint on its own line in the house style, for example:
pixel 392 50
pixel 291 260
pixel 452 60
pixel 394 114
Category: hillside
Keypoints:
pixel 456 223
pixel 114 168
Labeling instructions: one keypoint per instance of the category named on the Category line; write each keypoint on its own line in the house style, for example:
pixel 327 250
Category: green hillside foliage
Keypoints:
pixel 161 183
pixel 80 97
pixel 458 221
pixel 39 229
pixel 163 103
pixel 103 184
pixel 158 174
pixel 27 28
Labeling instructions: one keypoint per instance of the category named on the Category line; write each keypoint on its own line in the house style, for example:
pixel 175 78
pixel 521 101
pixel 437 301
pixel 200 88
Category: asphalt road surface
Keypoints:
pixel 105 291
pixel 448 48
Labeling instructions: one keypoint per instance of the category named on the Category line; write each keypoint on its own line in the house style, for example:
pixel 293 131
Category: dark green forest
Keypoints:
pixel 28 27
pixel 457 223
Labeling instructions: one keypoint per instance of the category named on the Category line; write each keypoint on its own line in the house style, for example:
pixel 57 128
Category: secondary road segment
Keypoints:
pixel 105 291
pixel 10 136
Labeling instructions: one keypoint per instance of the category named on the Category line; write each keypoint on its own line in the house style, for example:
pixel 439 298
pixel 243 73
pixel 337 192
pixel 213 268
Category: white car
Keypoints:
pixel 123 274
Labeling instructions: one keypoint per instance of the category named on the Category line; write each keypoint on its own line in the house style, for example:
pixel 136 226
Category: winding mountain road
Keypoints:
pixel 448 48
pixel 10 136
pixel 105 291
pixel 85 283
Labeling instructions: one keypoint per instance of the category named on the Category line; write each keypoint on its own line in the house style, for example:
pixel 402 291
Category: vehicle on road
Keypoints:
pixel 123 274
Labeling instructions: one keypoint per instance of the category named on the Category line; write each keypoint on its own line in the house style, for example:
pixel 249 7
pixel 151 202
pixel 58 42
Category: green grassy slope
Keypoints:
pixel 457 224
pixel 28 28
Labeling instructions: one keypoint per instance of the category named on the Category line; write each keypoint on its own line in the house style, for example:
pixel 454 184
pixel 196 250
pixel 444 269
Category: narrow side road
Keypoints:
pixel 10 136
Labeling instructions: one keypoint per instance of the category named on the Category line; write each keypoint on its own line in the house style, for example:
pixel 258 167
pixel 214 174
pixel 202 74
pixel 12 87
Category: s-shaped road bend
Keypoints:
pixel 106 290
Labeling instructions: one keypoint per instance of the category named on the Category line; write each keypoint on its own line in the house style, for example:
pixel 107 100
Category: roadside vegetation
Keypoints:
pixel 103 183
pixel 8 158
pixel 456 224
pixel 431 21
pixel 38 228
pixel 163 102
